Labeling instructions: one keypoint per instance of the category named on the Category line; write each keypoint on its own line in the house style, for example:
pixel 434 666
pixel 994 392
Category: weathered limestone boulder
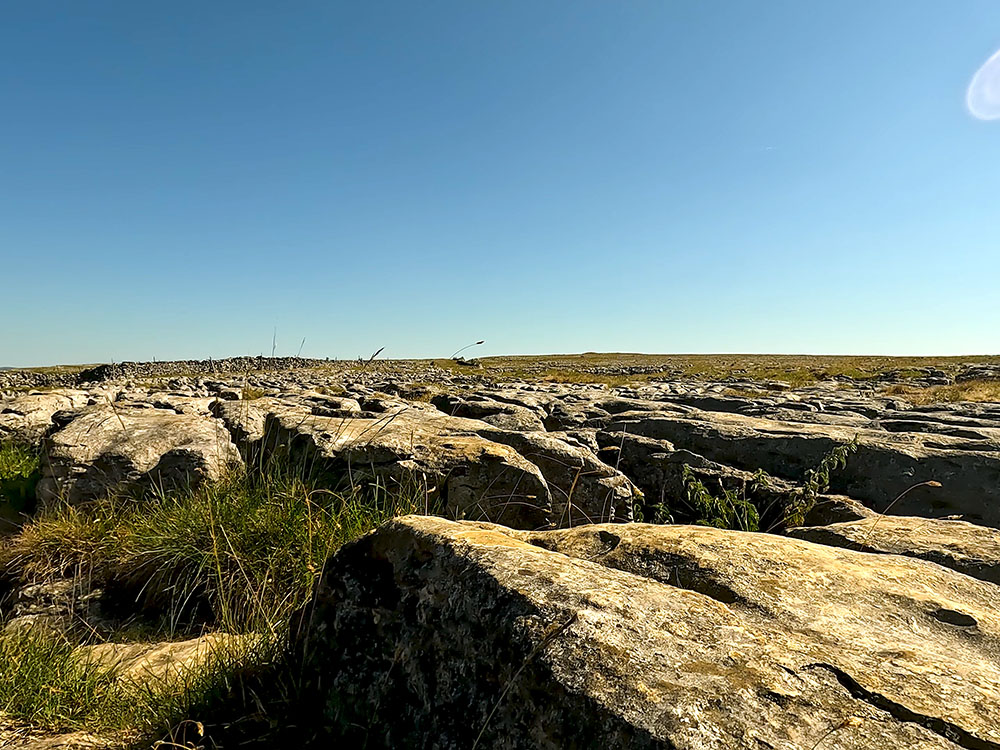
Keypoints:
pixel 968 548
pixel 522 395
pixel 584 489
pixel 324 405
pixel 468 475
pixel 245 420
pixel 28 417
pixel 578 410
pixel 177 402
pixel 884 466
pixel 110 448
pixel 570 415
pixel 786 414
pixel 52 606
pixel 937 428
pixel 953 415
pixel 639 636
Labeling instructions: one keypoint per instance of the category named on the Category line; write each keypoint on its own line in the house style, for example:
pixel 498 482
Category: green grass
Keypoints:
pixel 753 507
pixel 730 510
pixel 238 556
pixel 242 552
pixel 795 370
pixel 970 390
pixel 44 680
pixel 55 685
pixel 816 482
pixel 19 473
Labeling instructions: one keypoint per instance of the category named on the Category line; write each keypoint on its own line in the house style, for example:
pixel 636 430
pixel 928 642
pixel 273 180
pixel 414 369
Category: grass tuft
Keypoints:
pixel 970 390
pixel 242 552
pixel 237 556
pixel 57 686
pixel 45 680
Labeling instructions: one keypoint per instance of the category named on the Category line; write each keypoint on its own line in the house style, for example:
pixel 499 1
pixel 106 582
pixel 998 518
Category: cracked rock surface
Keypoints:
pixel 652 636
pixel 568 626
pixel 527 453
pixel 107 448
pixel 965 547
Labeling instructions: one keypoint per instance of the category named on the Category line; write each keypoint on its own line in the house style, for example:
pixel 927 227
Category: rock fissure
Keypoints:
pixel 682 633
pixel 945 729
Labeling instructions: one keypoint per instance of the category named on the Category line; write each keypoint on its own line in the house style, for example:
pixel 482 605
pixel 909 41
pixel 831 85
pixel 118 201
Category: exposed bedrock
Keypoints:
pixel 502 414
pixel 470 476
pixel 968 548
pixel 28 416
pixel 649 636
pixel 529 454
pixel 885 465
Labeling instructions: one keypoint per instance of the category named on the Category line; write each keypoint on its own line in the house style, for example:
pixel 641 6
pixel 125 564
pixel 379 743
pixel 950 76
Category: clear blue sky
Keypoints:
pixel 177 179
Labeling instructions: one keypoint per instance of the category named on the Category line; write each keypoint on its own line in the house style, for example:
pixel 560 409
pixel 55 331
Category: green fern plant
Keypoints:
pixel 730 510
pixel 817 482
pixel 19 473
pixel 734 509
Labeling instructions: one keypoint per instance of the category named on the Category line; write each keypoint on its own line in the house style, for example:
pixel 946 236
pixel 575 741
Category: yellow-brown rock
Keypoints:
pixel 640 636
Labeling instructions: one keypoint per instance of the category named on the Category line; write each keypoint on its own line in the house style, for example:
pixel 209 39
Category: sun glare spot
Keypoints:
pixel 983 96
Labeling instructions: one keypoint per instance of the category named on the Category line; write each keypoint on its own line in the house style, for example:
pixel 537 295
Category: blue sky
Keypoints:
pixel 179 179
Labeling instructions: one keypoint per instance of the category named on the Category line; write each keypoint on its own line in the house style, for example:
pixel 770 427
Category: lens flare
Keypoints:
pixel 983 96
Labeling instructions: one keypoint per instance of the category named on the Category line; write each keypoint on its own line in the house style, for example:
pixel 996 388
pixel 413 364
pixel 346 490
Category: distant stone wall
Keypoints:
pixel 14 380
pixel 227 366
pixel 20 379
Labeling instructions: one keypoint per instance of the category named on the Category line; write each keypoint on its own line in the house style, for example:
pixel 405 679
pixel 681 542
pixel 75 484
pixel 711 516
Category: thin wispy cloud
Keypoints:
pixel 983 96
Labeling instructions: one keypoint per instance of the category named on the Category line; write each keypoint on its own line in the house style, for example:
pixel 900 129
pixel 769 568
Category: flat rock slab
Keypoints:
pixel 965 547
pixel 15 737
pixel 648 636
pixel 160 663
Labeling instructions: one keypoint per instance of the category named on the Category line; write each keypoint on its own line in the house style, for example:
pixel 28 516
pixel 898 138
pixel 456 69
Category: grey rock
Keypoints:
pixel 27 417
pixel 497 413
pixel 422 450
pixel 884 466
pixel 583 489
pixel 109 449
pixel 836 509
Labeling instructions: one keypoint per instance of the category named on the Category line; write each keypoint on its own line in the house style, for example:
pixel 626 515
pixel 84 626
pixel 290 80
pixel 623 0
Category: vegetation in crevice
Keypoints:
pixel 751 507
pixel 817 482
pixel 240 553
pixel 44 680
pixel 55 685
pixel 19 474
